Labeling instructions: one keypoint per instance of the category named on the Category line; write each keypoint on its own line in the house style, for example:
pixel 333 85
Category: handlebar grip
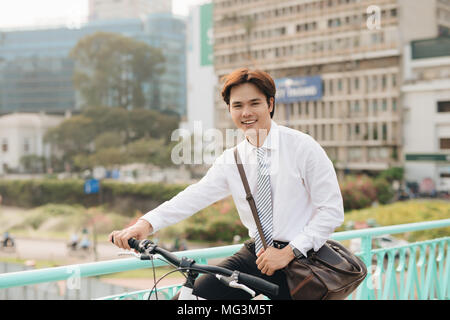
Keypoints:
pixel 133 243
pixel 259 284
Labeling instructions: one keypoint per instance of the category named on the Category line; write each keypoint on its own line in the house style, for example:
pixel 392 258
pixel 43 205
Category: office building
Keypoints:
pixel 426 103
pixel 36 73
pixel 337 65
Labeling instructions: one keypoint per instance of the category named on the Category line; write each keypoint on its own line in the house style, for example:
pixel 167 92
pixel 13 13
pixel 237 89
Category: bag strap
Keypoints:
pixel 249 196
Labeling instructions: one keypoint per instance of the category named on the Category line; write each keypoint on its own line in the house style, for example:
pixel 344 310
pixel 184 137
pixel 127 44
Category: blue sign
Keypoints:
pixel 91 186
pixel 297 89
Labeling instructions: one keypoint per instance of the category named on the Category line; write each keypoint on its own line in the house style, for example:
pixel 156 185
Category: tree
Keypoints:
pixel 111 69
pixel 33 163
pixel 108 136
pixel 73 136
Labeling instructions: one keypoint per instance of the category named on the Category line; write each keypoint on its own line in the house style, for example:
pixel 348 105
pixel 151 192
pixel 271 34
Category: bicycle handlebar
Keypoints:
pixel 247 279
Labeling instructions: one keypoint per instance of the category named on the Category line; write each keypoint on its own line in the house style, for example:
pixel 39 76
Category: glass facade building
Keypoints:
pixel 36 73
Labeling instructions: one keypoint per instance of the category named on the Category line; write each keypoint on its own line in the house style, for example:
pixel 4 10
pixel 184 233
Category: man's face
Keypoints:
pixel 249 109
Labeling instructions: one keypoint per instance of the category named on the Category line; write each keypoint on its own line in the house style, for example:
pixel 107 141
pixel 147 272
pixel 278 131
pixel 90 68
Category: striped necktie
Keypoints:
pixel 263 200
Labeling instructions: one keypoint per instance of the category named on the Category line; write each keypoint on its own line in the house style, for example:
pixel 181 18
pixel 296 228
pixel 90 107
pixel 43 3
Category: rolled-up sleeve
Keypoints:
pixel 323 187
pixel 211 188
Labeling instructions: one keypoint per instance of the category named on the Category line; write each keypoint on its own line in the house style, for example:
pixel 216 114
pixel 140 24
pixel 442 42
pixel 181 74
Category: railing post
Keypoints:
pixel 366 255
pixel 446 276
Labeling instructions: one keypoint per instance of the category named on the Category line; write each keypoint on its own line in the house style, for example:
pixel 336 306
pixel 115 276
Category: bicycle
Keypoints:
pixel 191 270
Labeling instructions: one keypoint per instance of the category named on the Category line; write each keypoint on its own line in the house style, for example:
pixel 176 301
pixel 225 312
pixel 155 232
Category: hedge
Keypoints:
pixel 125 198
pixel 357 191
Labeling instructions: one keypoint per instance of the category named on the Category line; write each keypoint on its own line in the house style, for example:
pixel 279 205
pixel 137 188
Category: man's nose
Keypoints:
pixel 246 112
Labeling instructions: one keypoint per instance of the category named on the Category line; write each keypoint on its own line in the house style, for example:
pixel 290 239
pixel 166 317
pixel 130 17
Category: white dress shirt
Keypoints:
pixel 306 198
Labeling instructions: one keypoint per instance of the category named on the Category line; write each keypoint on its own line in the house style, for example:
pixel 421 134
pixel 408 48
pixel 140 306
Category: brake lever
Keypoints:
pixel 235 284
pixel 232 282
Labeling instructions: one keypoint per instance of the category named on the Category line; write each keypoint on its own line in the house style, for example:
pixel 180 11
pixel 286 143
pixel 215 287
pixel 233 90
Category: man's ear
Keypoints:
pixel 271 100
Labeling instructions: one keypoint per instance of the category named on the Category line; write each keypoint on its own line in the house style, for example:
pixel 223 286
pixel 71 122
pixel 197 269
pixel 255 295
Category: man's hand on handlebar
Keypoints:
pixel 140 230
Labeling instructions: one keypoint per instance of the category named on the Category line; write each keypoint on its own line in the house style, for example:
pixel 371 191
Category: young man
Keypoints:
pixel 290 176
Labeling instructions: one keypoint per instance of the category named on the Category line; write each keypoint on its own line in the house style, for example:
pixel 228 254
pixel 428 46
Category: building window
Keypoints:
pixel 356 84
pixel 375 133
pixel 354 154
pixel 443 106
pixel 374 83
pixel 385 131
pixel 26 145
pixel 332 134
pixel 375 106
pixel 356 107
pixel 394 104
pixel 444 143
pixel 5 145
pixel 384 82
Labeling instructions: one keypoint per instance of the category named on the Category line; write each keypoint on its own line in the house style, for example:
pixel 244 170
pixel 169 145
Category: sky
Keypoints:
pixel 25 13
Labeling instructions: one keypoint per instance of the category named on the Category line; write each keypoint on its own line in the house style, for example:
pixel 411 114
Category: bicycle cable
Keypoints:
pixel 178 269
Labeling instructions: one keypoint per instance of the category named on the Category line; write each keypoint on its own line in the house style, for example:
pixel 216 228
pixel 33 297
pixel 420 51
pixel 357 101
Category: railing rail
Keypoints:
pixel 416 271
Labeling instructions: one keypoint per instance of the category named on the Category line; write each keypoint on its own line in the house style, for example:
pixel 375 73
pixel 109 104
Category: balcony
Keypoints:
pixel 415 271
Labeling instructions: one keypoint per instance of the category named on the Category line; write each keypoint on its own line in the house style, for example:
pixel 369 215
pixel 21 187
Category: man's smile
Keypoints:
pixel 248 122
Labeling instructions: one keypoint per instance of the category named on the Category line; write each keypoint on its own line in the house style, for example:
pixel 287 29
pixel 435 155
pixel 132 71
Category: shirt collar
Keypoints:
pixel 271 142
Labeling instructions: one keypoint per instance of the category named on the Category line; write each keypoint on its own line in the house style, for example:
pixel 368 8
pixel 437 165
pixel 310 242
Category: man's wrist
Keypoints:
pixel 147 224
pixel 296 252
pixel 288 253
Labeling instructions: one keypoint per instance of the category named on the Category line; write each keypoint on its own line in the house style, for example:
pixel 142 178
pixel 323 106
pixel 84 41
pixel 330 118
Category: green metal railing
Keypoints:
pixel 419 270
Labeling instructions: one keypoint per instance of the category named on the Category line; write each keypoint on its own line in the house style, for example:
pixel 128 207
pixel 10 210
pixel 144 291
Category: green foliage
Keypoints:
pixel 219 222
pixel 405 212
pixel 358 192
pixel 152 191
pixel 111 69
pixel 33 163
pixel 107 137
pixel 362 191
pixel 392 174
pixel 33 193
pixel 385 193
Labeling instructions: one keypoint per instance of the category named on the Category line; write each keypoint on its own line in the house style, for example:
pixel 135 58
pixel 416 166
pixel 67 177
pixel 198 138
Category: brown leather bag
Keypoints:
pixel 331 273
